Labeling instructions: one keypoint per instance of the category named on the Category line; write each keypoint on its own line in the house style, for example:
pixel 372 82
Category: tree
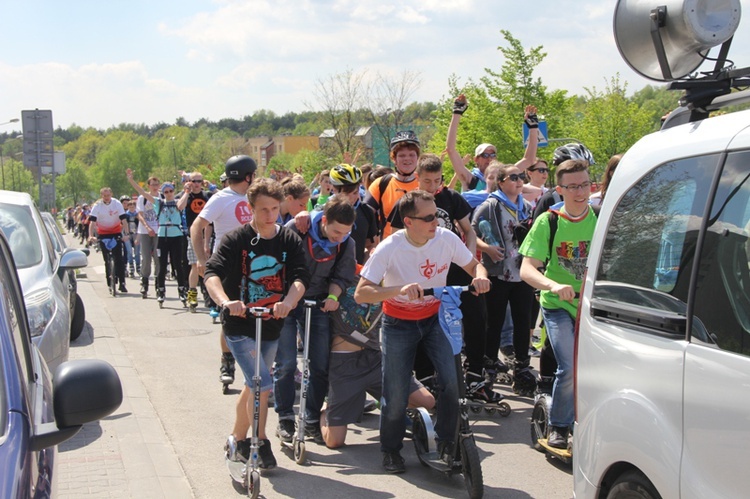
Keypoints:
pixel 339 97
pixel 73 185
pixel 612 122
pixel 387 98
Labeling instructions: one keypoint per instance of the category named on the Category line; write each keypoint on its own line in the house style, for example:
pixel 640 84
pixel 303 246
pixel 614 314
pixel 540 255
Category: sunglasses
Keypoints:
pixel 197 181
pixel 515 177
pixel 488 155
pixel 428 218
pixel 168 191
pixel 540 170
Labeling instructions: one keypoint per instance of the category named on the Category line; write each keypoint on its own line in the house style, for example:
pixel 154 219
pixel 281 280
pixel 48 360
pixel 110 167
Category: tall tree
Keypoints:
pixel 73 186
pixel 387 98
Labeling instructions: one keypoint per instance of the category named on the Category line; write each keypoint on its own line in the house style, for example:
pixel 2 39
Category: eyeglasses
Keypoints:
pixel 540 170
pixel 196 181
pixel 576 187
pixel 168 191
pixel 488 155
pixel 428 218
pixel 515 177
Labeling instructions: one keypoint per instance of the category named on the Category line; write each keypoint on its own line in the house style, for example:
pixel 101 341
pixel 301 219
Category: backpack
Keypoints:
pixel 382 186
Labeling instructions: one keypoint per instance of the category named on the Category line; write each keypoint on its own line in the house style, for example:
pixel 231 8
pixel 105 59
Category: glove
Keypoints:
pixel 460 107
pixel 532 121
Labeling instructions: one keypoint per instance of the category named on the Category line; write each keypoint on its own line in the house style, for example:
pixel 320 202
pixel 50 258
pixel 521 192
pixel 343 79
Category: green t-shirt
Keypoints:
pixel 570 253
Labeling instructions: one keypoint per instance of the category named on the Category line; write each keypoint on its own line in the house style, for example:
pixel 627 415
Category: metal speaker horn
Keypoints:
pixel 665 40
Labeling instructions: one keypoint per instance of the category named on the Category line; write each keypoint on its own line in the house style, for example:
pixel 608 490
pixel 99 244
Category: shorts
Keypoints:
pixel 191 258
pixel 243 350
pixel 350 376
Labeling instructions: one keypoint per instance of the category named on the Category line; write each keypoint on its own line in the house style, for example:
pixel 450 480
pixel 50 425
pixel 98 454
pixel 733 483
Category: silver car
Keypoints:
pixel 47 298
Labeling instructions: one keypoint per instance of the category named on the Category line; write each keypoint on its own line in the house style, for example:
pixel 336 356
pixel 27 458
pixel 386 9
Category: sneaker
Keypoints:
pixel 508 352
pixel 445 450
pixel 533 352
pixel 558 437
pixel 285 430
pixel 393 462
pixel 232 450
pixel 266 459
pixel 123 289
pixel 312 432
pixel 243 450
pixel 370 405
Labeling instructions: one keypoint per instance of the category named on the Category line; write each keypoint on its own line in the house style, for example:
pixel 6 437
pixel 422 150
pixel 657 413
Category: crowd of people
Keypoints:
pixel 378 235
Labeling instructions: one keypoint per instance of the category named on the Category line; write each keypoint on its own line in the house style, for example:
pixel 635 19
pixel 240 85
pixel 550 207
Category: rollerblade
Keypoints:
pixel 131 272
pixel 144 288
pixel 160 294
pixel 496 371
pixel 192 299
pixel 226 371
pixel 182 291
pixel 138 270
pixel 524 381
pixel 480 395
pixel 214 313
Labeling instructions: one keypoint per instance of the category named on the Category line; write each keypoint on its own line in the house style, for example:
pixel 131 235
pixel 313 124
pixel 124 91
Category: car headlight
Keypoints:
pixel 40 308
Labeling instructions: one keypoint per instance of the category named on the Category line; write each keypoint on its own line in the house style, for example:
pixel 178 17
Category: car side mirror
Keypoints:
pixel 82 391
pixel 73 258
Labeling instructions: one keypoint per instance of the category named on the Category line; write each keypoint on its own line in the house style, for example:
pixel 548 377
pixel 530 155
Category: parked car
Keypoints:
pixel 47 298
pixel 662 372
pixel 68 277
pixel 36 413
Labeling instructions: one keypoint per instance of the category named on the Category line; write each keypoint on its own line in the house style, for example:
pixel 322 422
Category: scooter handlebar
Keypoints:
pixel 431 291
pixel 313 303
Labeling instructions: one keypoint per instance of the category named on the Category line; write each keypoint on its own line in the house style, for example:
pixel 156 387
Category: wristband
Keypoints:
pixel 532 121
pixel 333 297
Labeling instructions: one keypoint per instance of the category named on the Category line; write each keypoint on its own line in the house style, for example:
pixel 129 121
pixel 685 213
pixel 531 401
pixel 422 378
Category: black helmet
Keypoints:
pixel 405 137
pixel 345 174
pixel 239 167
pixel 572 151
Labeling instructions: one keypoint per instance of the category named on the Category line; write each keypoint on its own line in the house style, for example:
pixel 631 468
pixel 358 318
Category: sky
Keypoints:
pixel 103 63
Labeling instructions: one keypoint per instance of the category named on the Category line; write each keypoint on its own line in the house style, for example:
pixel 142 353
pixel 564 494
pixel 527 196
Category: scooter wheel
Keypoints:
pixel 419 436
pixel 503 409
pixel 539 422
pixel 471 468
pixel 475 409
pixel 299 452
pixel 253 486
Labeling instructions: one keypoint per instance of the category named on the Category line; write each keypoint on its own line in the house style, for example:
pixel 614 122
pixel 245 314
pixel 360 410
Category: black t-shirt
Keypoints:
pixel 365 227
pixel 195 204
pixel 451 206
pixel 258 274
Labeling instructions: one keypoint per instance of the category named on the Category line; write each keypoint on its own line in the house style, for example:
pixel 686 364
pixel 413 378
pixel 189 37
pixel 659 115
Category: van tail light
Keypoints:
pixel 576 332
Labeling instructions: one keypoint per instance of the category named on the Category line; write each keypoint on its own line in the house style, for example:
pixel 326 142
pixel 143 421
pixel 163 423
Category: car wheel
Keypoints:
pixel 79 318
pixel 633 485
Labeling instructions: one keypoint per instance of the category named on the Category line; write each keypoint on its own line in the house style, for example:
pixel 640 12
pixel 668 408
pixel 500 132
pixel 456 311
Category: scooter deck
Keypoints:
pixel 563 454
pixel 238 471
pixel 432 459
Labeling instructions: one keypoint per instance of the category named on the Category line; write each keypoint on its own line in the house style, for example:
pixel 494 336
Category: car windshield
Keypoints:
pixel 18 226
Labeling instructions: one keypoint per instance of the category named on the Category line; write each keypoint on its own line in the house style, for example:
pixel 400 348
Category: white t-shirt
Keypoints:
pixel 227 210
pixel 108 217
pixel 146 207
pixel 396 262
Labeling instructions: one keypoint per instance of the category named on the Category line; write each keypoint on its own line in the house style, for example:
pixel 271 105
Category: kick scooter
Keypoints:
pixel 249 476
pixel 297 445
pixel 464 457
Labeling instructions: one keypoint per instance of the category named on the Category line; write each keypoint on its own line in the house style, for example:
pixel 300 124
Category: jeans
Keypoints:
pixel 131 255
pixel 399 344
pixel 286 363
pixel 243 350
pixel 560 331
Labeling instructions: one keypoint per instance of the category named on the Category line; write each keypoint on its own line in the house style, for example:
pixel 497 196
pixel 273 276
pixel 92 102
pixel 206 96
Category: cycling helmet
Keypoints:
pixel 572 151
pixel 404 137
pixel 239 167
pixel 345 174
pixel 223 177
pixel 124 198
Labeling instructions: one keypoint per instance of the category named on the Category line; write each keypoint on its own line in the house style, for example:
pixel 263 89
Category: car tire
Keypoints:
pixel 633 485
pixel 79 319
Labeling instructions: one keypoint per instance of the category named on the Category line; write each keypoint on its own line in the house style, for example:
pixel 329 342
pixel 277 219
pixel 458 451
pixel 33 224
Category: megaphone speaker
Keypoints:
pixel 686 29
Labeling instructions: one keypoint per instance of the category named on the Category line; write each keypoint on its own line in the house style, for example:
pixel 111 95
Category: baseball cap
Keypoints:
pixel 481 148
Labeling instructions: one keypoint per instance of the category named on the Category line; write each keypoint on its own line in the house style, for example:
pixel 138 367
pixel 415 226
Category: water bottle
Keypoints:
pixel 487 236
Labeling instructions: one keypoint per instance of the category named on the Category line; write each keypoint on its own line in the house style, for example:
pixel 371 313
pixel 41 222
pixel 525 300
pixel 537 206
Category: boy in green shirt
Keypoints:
pixel 561 281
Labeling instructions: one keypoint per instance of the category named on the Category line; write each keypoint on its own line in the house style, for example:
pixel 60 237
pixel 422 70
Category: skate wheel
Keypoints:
pixel 299 452
pixel 503 409
pixel 253 486
pixel 161 305
pixel 225 388
pixel 490 410
pixel 475 409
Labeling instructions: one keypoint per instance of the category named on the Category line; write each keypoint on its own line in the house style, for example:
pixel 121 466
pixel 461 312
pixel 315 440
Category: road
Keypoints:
pixel 167 438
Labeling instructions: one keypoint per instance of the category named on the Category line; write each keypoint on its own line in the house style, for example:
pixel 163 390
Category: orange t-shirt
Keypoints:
pixel 393 192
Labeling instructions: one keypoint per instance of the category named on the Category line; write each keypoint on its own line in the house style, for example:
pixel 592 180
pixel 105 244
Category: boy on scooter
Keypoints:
pixel 259 264
pixel 405 264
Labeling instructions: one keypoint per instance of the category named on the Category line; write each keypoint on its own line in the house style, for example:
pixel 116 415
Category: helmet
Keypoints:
pixel 345 174
pixel 239 167
pixel 572 151
pixel 124 198
pixel 404 137
pixel 223 177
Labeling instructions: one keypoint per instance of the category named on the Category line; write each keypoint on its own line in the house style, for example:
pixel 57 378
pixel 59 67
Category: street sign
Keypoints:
pixel 542 134
pixel 38 147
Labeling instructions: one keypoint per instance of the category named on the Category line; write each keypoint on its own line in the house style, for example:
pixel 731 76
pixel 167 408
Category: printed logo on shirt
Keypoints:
pixel 573 258
pixel 430 270
pixel 197 205
pixel 243 213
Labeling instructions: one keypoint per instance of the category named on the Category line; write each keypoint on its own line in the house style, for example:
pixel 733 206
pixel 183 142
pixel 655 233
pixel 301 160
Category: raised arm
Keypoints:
pixel 460 105
pixel 529 157
pixel 137 187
